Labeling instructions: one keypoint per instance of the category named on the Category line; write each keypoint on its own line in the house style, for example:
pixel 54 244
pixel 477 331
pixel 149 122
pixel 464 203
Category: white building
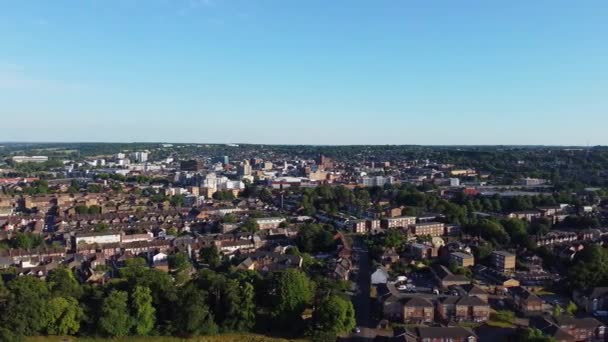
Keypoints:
pixel 140 157
pixel 32 159
pixel 269 222
pixel 376 180
pixel 98 238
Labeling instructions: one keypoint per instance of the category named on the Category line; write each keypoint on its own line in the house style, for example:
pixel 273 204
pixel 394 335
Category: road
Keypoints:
pixel 361 300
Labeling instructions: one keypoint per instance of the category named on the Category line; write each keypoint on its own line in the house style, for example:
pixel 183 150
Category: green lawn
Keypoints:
pixel 218 338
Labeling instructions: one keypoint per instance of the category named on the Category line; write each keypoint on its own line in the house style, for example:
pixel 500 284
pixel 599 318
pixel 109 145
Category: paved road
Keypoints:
pixel 361 300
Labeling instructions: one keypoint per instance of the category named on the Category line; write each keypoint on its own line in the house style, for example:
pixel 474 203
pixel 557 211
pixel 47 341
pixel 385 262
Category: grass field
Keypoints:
pixel 217 338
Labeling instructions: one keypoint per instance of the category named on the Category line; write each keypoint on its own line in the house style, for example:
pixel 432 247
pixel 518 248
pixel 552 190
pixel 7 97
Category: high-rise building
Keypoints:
pixel 225 160
pixel 267 166
pixel 140 157
pixel 192 165
pixel 324 162
pixel 244 169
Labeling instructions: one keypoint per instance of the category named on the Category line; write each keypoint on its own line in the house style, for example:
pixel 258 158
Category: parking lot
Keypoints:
pixel 420 282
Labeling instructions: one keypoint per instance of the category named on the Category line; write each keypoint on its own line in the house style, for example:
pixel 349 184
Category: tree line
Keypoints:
pixel 142 301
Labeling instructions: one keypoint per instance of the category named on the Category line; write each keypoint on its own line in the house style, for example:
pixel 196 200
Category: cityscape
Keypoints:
pixel 294 171
pixel 399 243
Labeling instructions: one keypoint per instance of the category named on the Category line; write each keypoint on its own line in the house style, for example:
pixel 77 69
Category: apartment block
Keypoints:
pixel 428 228
pixel 398 222
pixel 462 259
pixel 503 261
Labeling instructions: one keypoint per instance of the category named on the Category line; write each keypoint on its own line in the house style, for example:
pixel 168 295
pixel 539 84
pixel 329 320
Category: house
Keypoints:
pixel 583 329
pixel 417 310
pixel 525 301
pixel 494 277
pixel 373 225
pixel 436 334
pixel 159 257
pixel 394 212
pixel 594 301
pixel 269 222
pixel 570 329
pixel 340 269
pixel 550 329
pixel 471 290
pixel 445 278
pixel 463 309
pixel 359 226
pixel 421 251
pixel 97 238
pixel 527 215
pixel 389 256
pixel 380 276
pixel 549 210
pixel 270 261
pixel 231 246
pixel 392 307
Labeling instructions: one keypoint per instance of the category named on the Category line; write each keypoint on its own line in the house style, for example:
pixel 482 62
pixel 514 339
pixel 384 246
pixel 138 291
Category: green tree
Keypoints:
pixel 489 230
pixel 94 210
pixel 81 209
pixel 590 268
pixel 143 311
pixel 534 335
pixel 195 318
pixel 210 256
pixel 557 310
pixel 62 283
pixel 250 226
pixel 26 240
pixel 292 292
pixel 517 230
pixel 26 310
pixel 394 238
pixel 314 238
pixel 571 308
pixel 115 319
pixel 64 316
pixel 335 315
pixel 179 261
pixel 178 200
pixel 504 316
pixel 102 227
pixel 94 188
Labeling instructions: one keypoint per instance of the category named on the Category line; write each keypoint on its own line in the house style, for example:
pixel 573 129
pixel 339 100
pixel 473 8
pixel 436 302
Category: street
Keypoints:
pixel 361 300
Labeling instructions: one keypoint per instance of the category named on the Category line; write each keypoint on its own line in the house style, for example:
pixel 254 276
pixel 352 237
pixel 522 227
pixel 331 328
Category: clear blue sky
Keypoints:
pixel 311 71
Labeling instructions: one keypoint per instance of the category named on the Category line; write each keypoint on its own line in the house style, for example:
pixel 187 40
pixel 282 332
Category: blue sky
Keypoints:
pixel 314 71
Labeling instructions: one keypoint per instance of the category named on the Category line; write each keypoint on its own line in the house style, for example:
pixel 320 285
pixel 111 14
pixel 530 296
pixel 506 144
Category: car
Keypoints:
pixel 357 330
